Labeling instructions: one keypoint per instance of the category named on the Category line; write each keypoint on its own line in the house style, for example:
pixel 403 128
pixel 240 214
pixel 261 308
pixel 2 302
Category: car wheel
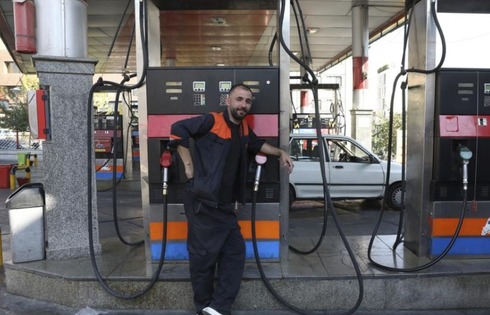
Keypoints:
pixel 393 197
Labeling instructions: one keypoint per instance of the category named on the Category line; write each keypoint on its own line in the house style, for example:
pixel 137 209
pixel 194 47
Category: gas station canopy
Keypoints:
pixel 219 32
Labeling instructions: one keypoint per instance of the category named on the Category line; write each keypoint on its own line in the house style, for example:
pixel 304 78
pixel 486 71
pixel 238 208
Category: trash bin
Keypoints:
pixel 26 219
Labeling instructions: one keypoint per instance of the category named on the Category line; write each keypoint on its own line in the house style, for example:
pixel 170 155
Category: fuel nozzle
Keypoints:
pixel 260 160
pixel 165 162
pixel 464 155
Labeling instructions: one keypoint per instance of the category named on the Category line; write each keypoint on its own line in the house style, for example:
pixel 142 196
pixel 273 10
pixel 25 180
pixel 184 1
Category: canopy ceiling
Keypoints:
pixel 212 32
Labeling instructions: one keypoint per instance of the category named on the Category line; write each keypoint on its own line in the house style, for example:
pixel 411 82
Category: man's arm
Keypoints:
pixel 185 156
pixel 180 134
pixel 283 156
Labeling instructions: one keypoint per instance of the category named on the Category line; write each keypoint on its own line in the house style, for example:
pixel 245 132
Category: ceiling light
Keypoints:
pixel 215 48
pixel 312 30
pixel 218 20
pixel 220 64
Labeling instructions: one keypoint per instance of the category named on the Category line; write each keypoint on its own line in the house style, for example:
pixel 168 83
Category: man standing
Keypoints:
pixel 217 169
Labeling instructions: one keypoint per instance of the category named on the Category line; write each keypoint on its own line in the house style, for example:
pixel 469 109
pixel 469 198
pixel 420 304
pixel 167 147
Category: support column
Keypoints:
pixel 284 121
pixel 127 137
pixel 65 157
pixel 361 116
pixel 420 120
pixel 154 60
pixel 63 67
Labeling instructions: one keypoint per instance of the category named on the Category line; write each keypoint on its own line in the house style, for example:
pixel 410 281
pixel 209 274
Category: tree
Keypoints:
pixel 380 136
pixel 15 118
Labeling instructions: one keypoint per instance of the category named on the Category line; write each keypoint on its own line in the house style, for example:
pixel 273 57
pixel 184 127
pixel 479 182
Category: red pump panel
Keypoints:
pixel 38 119
pixel 41 114
pixel 464 126
pixel 25 26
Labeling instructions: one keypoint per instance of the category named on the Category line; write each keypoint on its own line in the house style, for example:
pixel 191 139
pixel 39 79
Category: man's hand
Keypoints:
pixel 189 170
pixel 284 157
pixel 286 161
pixel 185 156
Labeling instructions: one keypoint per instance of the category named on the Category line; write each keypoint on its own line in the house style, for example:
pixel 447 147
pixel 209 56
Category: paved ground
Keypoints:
pixel 18 305
pixel 360 216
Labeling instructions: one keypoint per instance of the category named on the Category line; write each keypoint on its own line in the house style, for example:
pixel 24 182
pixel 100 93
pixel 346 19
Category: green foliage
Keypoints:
pixel 16 115
pixel 29 82
pixel 16 118
pixel 380 136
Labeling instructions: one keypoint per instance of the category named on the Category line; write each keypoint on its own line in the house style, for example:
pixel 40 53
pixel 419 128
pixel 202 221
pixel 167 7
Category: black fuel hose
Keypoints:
pixel 115 180
pixel 266 281
pixel 390 139
pixel 143 14
pixel 100 279
pixel 327 200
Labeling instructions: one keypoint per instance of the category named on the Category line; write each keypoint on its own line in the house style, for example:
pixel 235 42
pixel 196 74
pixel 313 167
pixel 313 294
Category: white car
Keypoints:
pixel 353 172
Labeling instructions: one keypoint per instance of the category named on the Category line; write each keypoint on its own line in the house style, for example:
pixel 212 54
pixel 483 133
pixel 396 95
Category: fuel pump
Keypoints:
pixel 192 91
pixel 459 126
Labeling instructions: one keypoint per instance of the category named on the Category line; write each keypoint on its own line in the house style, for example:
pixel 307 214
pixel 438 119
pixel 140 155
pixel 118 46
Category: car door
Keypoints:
pixel 306 176
pixel 354 172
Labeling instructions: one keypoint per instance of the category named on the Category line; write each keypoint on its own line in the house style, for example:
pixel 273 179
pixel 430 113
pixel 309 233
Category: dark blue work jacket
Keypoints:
pixel 212 141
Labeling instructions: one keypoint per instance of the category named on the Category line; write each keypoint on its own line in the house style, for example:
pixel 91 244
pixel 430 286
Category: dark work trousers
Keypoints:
pixel 214 243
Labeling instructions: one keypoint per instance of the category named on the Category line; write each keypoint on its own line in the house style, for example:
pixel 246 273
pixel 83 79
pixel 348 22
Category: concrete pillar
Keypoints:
pixel 63 68
pixel 127 137
pixel 361 115
pixel 420 120
pixel 154 60
pixel 284 121
pixel 65 157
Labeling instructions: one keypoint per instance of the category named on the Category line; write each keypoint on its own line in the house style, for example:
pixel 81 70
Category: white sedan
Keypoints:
pixel 352 171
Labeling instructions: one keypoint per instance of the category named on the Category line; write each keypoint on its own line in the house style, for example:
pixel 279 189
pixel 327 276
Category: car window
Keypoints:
pixel 304 149
pixel 346 151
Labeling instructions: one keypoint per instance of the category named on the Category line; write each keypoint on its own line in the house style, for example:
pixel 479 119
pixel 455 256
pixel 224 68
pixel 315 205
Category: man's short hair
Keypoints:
pixel 240 85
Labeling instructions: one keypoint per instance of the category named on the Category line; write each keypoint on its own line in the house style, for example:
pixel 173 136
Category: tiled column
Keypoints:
pixel 65 157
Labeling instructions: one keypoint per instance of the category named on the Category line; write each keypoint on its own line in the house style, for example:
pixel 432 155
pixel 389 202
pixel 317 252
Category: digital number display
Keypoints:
pixel 224 86
pixel 199 86
pixel 487 88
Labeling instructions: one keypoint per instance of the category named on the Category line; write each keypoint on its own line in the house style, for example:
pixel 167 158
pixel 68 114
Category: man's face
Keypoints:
pixel 239 103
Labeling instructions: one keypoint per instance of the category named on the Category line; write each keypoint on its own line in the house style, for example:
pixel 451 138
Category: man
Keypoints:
pixel 217 169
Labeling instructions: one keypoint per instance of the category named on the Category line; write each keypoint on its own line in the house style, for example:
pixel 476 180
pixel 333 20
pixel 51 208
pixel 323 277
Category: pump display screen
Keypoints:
pixel 202 90
pixel 199 86
pixel 224 86
pixel 487 88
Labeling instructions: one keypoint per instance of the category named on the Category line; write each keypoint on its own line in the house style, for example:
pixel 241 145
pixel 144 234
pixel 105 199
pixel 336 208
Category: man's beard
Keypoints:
pixel 237 115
